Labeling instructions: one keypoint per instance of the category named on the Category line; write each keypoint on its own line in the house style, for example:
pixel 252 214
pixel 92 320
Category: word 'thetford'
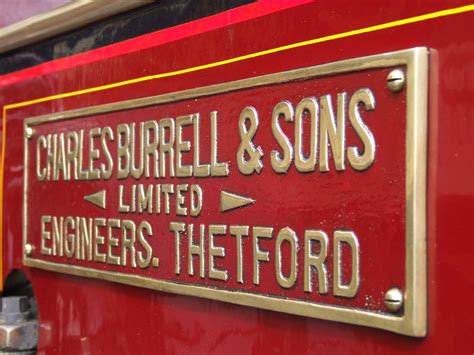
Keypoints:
pixel 314 263
pixel 156 148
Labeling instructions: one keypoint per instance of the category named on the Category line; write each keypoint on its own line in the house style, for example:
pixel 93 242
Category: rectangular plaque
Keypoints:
pixel 301 192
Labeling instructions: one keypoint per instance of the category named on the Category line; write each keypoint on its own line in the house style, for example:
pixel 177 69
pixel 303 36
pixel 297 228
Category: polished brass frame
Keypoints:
pixel 414 319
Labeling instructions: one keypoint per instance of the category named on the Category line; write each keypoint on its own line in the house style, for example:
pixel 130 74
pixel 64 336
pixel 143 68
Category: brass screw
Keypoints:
pixel 396 80
pixel 29 249
pixel 393 300
pixel 28 132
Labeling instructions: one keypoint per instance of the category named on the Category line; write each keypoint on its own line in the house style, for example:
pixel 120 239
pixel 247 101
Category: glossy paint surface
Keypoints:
pixel 345 200
pixel 82 315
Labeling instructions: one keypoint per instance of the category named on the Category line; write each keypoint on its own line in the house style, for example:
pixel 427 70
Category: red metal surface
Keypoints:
pixel 327 201
pixel 80 314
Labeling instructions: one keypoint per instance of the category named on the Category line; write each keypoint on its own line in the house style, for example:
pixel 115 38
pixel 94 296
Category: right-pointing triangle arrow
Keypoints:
pixel 229 201
pixel 97 198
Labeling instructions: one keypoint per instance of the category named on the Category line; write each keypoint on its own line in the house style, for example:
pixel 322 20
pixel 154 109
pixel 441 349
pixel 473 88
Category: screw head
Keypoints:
pixel 393 300
pixel 396 80
pixel 29 249
pixel 28 132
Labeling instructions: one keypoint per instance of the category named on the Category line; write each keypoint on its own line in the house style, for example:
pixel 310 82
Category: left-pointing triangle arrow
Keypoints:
pixel 97 198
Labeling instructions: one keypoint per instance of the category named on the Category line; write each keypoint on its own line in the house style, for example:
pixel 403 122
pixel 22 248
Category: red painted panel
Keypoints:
pixel 80 314
pixel 345 200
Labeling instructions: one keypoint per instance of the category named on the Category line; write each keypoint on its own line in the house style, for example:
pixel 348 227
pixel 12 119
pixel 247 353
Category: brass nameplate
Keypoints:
pixel 301 192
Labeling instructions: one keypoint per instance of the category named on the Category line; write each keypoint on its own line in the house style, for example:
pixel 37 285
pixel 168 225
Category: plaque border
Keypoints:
pixel 413 322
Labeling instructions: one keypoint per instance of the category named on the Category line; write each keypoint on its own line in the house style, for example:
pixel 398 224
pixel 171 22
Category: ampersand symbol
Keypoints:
pixel 254 154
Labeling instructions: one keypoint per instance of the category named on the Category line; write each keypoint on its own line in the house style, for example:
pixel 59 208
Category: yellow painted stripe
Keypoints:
pixel 360 31
pixel 392 24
